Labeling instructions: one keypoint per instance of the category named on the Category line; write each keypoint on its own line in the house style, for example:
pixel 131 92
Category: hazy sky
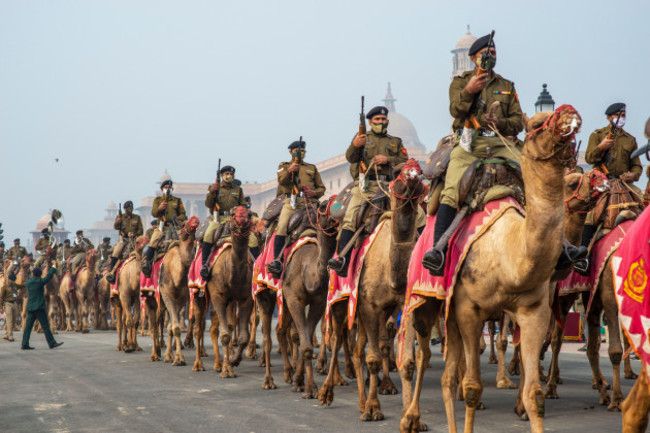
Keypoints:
pixel 119 91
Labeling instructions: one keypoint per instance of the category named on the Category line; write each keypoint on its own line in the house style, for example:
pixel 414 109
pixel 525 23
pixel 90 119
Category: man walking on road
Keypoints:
pixel 36 306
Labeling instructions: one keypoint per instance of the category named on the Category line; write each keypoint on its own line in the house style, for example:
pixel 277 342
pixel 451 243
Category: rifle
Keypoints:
pixel 119 213
pixel 487 63
pixel 295 177
pixel 607 158
pixel 362 150
pixel 577 152
pixel 215 213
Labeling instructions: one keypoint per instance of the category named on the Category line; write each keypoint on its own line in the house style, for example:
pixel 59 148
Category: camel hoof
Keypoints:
pixel 168 358
pixel 138 349
pixel 203 353
pixel 375 415
pixel 118 348
pixel 128 349
pixel 84 331
pixel 387 388
pixel 321 367
pixel 326 395
pixel 227 373
pixel 217 368
pixel 493 360
pixel 615 405
pixel 251 351
pixel 513 369
pixel 189 344
pixel 480 406
pixel 551 393
pixel 198 366
pixel 262 363
pixel 268 383
pixel 339 381
pixel 288 375
pixel 631 375
pixel 234 361
pixel 506 384
pixel 411 424
pixel 349 372
pixel 154 358
pixel 310 393
pixel 605 400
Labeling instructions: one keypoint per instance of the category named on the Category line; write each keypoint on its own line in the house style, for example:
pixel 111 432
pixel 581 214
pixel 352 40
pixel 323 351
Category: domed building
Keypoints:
pixel 461 61
pixel 400 126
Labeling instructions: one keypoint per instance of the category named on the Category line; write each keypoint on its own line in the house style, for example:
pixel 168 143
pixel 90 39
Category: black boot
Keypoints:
pixel 148 260
pixel 340 264
pixel 110 277
pixel 73 277
pixel 434 259
pixel 205 255
pixel 571 256
pixel 582 265
pixel 255 251
pixel 275 267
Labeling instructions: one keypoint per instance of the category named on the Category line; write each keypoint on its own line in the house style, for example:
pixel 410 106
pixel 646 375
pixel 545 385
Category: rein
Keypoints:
pixel 330 231
pixel 551 125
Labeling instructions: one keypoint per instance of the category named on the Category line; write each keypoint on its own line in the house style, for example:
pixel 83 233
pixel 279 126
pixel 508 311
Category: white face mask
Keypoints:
pixel 621 122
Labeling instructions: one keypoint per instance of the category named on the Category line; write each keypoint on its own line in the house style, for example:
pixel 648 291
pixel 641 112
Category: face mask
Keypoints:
pixel 379 128
pixel 621 122
pixel 129 211
pixel 228 177
pixel 302 154
pixel 489 64
pixel 168 192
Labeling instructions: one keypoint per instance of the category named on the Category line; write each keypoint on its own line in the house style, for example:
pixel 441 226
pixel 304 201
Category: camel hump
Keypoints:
pixel 340 203
pixel 273 210
pixel 437 163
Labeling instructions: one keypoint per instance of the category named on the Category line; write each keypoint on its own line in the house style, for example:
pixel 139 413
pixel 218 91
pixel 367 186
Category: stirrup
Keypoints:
pixel 275 268
pixel 205 272
pixel 338 265
pixel 146 269
pixel 434 262
pixel 581 266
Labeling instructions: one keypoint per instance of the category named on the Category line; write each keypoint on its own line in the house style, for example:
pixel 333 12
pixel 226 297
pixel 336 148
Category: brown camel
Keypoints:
pixel 102 303
pixel 382 286
pixel 127 302
pixel 637 405
pixel 230 282
pixel 21 278
pixel 305 284
pixel 77 296
pixel 174 293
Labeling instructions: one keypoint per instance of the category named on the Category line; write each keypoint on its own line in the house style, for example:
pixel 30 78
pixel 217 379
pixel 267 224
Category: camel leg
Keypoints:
pixel 214 336
pixel 493 357
pixel 224 336
pixel 181 318
pixel 503 381
pixel 337 318
pixel 151 307
pixel 615 349
pixel 128 324
pixel 266 301
pixel 347 354
pixel 306 328
pixel 51 313
pixel 67 303
pixel 471 382
pixel 533 325
pixel 251 350
pixel 243 318
pixel 593 349
pixel 449 380
pixel 627 365
pixel 119 323
pixel 637 406
pixel 136 323
pixel 371 322
pixel 198 319
pixel 190 336
pixel 386 342
pixel 321 362
pixel 420 325
pixel 556 343
pixel 513 367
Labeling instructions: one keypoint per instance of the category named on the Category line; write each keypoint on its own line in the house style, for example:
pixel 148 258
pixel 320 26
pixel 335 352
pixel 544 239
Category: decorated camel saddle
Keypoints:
pixel 302 229
pixel 630 267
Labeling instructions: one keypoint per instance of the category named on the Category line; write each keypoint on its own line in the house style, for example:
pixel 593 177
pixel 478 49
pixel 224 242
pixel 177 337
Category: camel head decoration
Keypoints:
pixel 240 224
pixel 583 190
pixel 188 229
pixel 140 243
pixel 405 192
pixel 560 127
pixel 91 258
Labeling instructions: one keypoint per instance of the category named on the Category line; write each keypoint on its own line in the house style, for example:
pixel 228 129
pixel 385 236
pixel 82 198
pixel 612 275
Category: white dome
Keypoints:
pixel 465 41
pixel 400 126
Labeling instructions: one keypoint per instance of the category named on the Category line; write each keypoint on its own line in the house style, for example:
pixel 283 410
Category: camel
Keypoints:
pixel 174 293
pixel 637 405
pixel 230 279
pixel 127 303
pixel 21 278
pixel 77 296
pixel 102 303
pixel 305 284
pixel 382 286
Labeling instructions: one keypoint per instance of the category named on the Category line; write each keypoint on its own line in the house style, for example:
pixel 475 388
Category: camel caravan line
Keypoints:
pixel 503 265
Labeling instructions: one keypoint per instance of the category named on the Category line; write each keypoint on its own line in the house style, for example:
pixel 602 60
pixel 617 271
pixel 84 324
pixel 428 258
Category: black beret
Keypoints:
pixel 106 239
pixel 154 221
pixel 227 168
pixel 297 144
pixel 479 44
pixel 80 232
pixel 165 183
pixel 37 272
pixel 377 111
pixel 18 239
pixel 128 203
pixel 44 231
pixel 615 108
pixel 66 241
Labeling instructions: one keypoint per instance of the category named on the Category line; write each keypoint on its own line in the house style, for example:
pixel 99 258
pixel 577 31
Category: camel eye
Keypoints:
pixel 573 185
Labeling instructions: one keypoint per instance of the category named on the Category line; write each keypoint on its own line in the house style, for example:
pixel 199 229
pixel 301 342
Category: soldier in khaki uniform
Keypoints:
pixel 489 87
pixel 103 254
pixel 149 232
pixel 2 257
pixel 220 200
pixel 170 211
pixel 129 227
pixel 382 151
pixel 8 299
pixel 612 157
pixel 80 247
pixel 15 254
pixel 41 247
pixel 311 188
pixel 63 253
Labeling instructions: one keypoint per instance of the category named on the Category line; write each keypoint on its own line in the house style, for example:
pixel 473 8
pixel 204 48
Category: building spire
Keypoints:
pixel 389 101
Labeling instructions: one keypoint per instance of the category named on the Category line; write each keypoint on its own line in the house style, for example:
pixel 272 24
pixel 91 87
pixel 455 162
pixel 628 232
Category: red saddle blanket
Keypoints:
pixel 114 291
pixel 195 281
pixel 630 266
pixel 76 274
pixel 421 284
pixel 600 253
pixel 152 283
pixel 347 288
pixel 262 280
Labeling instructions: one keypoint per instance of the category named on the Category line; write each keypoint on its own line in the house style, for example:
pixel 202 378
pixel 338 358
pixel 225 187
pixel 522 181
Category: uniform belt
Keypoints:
pixel 223 212
pixel 375 177
pixel 483 132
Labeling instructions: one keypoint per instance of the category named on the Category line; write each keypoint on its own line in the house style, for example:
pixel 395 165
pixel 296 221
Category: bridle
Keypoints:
pixel 593 178
pixel 557 134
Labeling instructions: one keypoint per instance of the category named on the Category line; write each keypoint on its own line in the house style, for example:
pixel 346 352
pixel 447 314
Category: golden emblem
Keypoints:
pixel 636 281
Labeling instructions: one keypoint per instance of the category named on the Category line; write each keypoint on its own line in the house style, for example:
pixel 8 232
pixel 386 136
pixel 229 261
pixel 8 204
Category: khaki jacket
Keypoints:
pixel 308 176
pixel 377 144
pixel 624 145
pixel 127 224
pixel 228 196
pixel 175 209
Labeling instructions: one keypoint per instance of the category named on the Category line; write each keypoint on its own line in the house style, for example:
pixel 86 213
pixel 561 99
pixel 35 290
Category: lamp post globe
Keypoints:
pixel 545 101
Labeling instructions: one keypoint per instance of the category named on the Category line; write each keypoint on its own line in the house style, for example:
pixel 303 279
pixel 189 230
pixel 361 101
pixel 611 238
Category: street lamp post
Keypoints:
pixel 545 101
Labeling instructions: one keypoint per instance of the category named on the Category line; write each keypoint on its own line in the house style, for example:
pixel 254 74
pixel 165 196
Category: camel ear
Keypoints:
pixel 537 120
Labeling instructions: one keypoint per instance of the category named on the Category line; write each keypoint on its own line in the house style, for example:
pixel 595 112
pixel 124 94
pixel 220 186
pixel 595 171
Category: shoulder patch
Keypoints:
pixel 404 151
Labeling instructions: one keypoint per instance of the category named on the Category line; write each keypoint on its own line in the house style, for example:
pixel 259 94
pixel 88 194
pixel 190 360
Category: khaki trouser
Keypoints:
pixel 39 260
pixel 356 200
pixel 212 228
pixel 252 241
pixel 156 238
pixel 421 219
pixel 76 261
pixel 460 160
pixel 117 249
pixel 286 214
pixel 11 312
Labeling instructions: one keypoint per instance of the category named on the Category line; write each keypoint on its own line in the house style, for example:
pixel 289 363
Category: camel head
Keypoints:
pixel 240 223
pixel 407 185
pixel 581 191
pixel 324 221
pixel 141 242
pixel 552 135
pixel 91 258
pixel 189 228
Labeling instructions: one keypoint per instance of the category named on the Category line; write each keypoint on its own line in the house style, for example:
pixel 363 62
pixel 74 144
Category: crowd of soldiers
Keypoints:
pixel 607 152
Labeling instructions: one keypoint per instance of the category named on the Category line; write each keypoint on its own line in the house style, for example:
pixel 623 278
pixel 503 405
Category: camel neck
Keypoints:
pixel 402 240
pixel 573 224
pixel 326 248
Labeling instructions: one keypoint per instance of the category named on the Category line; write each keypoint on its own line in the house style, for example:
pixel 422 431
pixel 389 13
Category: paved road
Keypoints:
pixel 85 386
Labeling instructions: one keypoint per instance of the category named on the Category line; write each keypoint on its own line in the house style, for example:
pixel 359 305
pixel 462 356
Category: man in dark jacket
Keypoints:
pixel 36 306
